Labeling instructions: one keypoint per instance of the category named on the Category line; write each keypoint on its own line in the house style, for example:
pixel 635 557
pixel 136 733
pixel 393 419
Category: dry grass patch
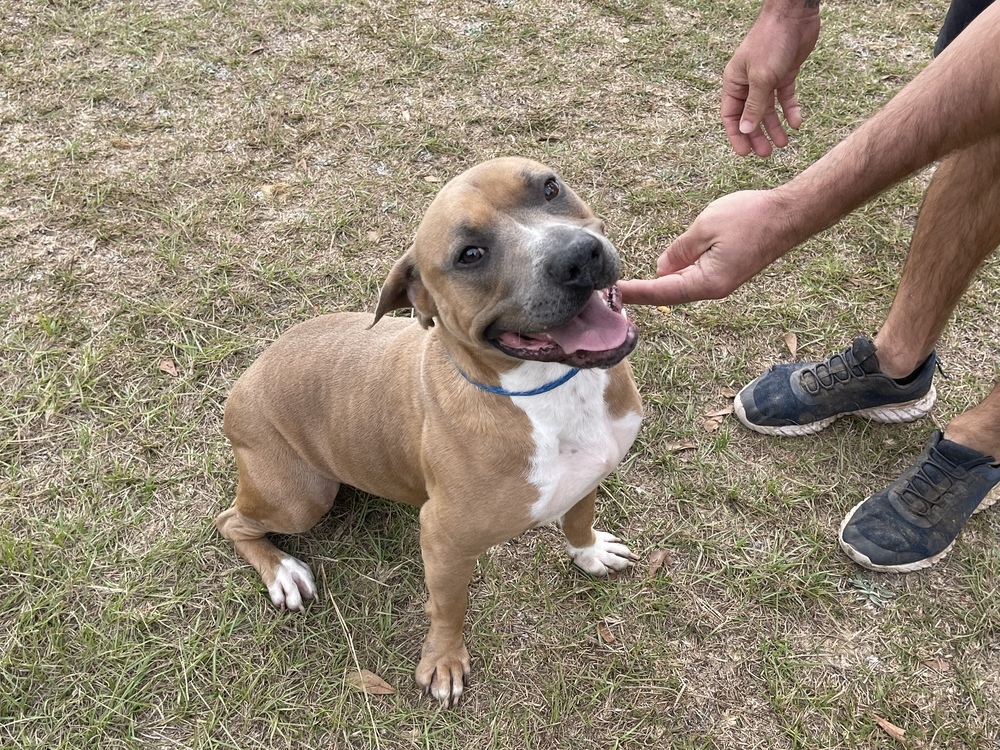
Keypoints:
pixel 184 180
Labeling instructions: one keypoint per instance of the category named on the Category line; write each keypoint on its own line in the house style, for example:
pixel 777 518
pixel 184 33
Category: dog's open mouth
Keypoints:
pixel 600 335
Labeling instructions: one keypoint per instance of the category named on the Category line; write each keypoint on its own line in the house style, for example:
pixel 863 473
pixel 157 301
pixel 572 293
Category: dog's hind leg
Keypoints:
pixel 293 501
pixel 596 552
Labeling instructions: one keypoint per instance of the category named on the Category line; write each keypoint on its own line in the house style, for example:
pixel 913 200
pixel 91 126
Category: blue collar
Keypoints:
pixel 545 388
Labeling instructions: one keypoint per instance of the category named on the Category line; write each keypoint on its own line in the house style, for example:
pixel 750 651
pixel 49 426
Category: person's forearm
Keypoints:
pixel 952 103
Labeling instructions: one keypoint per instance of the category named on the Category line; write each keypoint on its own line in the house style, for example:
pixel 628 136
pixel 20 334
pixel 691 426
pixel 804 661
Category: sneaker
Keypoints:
pixel 913 522
pixel 803 398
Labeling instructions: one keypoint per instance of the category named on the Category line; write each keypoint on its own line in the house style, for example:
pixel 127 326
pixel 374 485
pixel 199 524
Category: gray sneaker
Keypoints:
pixel 802 398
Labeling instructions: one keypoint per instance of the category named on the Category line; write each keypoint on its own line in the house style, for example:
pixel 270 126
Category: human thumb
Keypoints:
pixel 681 253
pixel 758 100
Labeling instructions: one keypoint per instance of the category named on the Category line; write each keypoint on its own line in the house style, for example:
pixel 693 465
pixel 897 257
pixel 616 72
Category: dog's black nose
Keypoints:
pixel 583 262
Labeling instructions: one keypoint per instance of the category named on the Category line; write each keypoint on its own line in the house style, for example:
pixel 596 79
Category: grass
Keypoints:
pixel 183 180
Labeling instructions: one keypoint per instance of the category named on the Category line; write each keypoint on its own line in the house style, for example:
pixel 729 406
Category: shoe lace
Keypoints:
pixel 825 375
pixel 923 492
pixel 940 369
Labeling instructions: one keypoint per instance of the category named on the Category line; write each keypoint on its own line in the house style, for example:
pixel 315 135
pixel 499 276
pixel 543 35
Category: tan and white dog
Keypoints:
pixel 498 410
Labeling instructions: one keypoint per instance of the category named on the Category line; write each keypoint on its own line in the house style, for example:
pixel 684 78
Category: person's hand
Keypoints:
pixel 731 240
pixel 763 70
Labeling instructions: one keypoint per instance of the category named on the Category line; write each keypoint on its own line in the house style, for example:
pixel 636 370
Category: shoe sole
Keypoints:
pixel 908 411
pixel 862 559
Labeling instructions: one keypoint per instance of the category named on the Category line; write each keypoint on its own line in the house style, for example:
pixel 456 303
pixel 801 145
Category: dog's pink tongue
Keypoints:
pixel 596 329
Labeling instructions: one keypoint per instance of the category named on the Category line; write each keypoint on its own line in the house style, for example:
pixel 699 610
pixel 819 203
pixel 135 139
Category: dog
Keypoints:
pixel 500 408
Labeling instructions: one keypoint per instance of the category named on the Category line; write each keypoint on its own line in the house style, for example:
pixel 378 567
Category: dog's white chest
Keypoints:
pixel 577 443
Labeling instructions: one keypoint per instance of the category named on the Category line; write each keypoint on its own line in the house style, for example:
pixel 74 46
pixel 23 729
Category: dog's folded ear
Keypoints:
pixel 403 288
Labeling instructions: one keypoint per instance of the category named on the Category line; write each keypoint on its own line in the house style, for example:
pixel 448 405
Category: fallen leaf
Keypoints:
pixel 370 683
pixel 121 143
pixel 373 236
pixel 729 392
pixel 792 342
pixel 711 425
pixel 663 309
pixel 168 366
pixel 684 445
pixel 657 559
pixel 938 664
pixel 277 190
pixel 605 632
pixel 891 729
pixel 724 411
pixel 431 178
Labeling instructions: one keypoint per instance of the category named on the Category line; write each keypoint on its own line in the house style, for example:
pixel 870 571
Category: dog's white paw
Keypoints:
pixel 607 553
pixel 293 582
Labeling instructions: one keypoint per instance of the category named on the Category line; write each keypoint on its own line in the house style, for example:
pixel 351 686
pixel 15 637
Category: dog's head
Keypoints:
pixel 509 257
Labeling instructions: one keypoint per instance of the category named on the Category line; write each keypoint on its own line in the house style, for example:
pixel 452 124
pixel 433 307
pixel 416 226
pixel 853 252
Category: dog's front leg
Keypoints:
pixel 596 552
pixel 449 560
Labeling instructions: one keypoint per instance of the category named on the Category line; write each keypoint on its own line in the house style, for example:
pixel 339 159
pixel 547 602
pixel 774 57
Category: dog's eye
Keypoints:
pixel 471 255
pixel 551 189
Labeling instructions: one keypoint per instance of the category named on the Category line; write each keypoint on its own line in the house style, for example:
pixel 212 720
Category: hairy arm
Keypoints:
pixel 952 103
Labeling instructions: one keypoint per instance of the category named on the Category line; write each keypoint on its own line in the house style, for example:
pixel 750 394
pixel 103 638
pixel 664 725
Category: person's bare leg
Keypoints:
pixel 979 427
pixel 957 227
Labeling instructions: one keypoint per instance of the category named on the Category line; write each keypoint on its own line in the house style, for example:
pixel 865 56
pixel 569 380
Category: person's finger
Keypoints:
pixel 672 289
pixel 731 110
pixel 739 142
pixel 760 98
pixel 759 142
pixel 790 106
pixel 682 252
pixel 772 126
pixel 677 271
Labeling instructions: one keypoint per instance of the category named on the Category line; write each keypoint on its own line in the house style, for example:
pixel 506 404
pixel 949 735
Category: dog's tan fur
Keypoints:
pixel 383 408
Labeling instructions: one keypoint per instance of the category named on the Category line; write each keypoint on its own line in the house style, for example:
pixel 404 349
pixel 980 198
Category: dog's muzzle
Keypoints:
pixel 599 335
